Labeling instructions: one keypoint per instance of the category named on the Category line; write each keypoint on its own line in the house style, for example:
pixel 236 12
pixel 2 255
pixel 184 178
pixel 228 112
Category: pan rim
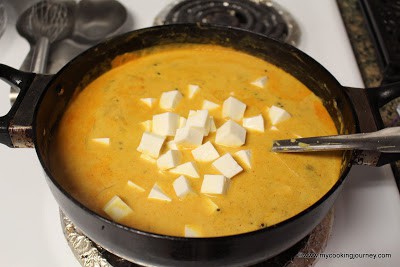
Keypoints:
pixel 266 229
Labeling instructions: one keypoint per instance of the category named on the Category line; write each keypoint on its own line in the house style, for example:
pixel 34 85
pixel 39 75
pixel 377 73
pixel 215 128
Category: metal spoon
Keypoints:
pixel 97 20
pixel 385 141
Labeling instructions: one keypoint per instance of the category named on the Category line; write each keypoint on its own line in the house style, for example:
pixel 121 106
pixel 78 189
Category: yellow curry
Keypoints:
pixel 97 156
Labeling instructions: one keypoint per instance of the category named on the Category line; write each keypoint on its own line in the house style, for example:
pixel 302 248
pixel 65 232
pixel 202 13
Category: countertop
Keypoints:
pixel 367 60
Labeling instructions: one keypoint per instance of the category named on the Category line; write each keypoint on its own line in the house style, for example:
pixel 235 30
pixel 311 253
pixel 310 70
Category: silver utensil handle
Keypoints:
pixel 40 55
pixel 386 141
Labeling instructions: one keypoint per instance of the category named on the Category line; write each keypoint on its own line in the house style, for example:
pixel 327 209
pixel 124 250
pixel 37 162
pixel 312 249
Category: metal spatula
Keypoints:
pixel 385 141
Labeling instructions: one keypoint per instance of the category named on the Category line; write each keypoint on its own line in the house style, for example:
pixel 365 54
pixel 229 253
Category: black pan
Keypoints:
pixel 353 110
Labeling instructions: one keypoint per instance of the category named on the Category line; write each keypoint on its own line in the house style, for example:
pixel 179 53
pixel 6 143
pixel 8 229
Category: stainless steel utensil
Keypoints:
pixel 94 20
pixel 42 24
pixel 36 60
pixel 3 18
pixel 97 20
pixel 385 141
pixel 50 22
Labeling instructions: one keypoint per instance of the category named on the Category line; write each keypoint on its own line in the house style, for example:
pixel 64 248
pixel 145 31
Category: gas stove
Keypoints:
pixel 367 213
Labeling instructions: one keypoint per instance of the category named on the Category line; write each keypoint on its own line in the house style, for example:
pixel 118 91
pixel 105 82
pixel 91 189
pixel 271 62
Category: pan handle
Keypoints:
pixel 16 125
pixel 366 103
pixel 21 80
pixel 379 96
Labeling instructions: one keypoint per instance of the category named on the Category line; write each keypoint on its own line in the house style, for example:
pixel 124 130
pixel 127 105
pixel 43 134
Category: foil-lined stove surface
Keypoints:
pixel 90 254
pixel 261 16
pixel 82 247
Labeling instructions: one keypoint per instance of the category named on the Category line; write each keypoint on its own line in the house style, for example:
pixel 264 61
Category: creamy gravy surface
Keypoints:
pixel 277 187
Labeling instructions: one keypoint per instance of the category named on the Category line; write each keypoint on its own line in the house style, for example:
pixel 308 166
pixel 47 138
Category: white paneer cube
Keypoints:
pixel 169 100
pixel 277 114
pixel 171 145
pixel 233 108
pixel 135 186
pixel 188 169
pixel 191 113
pixel 117 209
pixel 214 184
pixel 102 141
pixel 165 124
pixel 151 144
pixel 192 90
pixel 205 153
pixel 148 158
pixel 255 123
pixel 213 127
pixel 211 206
pixel 209 105
pixel 230 134
pixel 199 119
pixel 158 194
pixel 148 101
pixel 260 82
pixel 181 186
pixel 274 128
pixel 245 157
pixel 208 128
pixel 189 137
pixel 182 122
pixel 227 166
pixel 170 159
pixel 147 125
pixel 192 231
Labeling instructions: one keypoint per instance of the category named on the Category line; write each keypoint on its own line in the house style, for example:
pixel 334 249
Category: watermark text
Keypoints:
pixel 350 256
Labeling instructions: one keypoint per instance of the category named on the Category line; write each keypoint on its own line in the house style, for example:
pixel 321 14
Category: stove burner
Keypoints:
pixel 90 254
pixel 261 16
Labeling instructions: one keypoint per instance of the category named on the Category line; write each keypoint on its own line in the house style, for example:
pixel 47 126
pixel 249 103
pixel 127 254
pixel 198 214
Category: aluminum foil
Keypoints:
pixel 82 247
